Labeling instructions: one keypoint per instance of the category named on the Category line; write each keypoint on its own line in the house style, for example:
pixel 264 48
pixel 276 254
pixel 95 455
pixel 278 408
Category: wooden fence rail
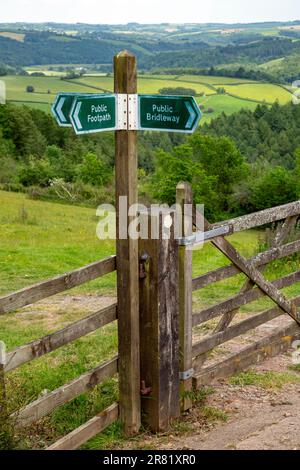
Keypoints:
pixel 44 289
pixel 94 426
pixel 258 260
pixel 49 343
pixel 257 219
pixel 47 403
pixel 241 299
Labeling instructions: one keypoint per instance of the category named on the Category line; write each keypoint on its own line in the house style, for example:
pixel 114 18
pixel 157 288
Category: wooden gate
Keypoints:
pixel 170 364
pixel 195 354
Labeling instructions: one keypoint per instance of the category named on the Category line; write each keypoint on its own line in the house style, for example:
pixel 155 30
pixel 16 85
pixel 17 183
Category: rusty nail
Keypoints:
pixel 145 390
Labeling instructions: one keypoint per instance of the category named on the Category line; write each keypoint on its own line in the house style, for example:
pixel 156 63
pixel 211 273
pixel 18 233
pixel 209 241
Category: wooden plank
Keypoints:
pixel 47 403
pixel 86 431
pixel 184 197
pixel 255 276
pixel 211 341
pixel 280 236
pixel 49 343
pixel 258 260
pixel 126 165
pixel 253 273
pixel 5 430
pixel 159 325
pixel 241 299
pixel 279 341
pixel 264 217
pixel 44 289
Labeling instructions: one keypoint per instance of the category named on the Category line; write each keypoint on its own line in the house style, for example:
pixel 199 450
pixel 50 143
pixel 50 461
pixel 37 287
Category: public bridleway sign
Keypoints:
pixel 168 113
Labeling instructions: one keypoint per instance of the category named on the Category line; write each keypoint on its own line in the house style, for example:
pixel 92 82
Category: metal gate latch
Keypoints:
pixel 142 265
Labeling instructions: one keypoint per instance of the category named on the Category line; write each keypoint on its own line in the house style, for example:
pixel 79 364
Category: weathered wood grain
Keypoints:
pixel 280 236
pixel 44 289
pixel 49 343
pixel 159 325
pixel 263 217
pixel 241 299
pixel 86 431
pixel 260 259
pixel 47 403
pixel 211 341
pixel 279 341
pixel 184 197
pixel 253 273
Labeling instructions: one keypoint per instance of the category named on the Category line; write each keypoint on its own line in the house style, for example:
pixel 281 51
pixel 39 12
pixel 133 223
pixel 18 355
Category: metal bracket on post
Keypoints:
pixel 122 111
pixel 133 112
pixel 187 374
pixel 201 237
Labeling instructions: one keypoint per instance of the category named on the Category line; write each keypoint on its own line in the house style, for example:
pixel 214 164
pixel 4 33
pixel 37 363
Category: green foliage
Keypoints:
pixel 212 166
pixel 177 91
pixel 273 188
pixel 179 166
pixel 93 170
pixel 36 172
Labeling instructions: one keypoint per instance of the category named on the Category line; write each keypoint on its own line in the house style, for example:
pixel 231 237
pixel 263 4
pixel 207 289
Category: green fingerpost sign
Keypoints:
pixel 62 107
pixel 94 113
pixel 168 113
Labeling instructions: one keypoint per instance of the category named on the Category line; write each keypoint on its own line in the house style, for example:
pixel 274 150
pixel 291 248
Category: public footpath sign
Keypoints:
pixel 94 113
pixel 62 107
pixel 168 113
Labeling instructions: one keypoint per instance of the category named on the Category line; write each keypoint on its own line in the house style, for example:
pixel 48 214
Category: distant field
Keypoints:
pixel 214 80
pixel 15 36
pixel 223 103
pixel 239 93
pixel 260 92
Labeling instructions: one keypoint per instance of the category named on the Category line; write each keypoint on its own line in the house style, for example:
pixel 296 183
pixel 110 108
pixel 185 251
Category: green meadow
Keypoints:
pixel 236 93
pixel 39 240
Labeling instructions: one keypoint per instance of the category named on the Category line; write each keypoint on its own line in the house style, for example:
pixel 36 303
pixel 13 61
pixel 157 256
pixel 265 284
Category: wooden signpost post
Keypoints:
pixel 153 356
pixel 125 74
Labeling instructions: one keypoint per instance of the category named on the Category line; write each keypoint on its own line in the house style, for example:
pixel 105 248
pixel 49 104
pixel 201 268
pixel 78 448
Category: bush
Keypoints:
pixel 72 193
pixel 36 172
pixel 274 188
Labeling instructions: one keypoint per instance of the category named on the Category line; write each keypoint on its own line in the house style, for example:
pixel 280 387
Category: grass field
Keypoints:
pixel 39 240
pixel 239 93
pixel 260 92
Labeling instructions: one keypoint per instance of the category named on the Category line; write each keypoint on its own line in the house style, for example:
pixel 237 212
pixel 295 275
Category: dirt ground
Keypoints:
pixel 258 418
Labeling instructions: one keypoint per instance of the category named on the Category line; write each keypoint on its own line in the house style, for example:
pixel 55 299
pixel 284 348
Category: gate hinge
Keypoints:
pixel 187 374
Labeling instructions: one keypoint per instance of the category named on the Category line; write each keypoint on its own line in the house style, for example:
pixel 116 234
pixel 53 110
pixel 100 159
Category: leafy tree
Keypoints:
pixel 171 168
pixel 37 172
pixel 221 159
pixel 93 170
pixel 273 188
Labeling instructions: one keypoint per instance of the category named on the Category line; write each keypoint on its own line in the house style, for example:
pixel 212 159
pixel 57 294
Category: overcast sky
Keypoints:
pixel 149 11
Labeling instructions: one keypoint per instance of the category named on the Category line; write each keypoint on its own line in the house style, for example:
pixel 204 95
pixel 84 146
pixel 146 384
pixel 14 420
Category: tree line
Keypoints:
pixel 236 164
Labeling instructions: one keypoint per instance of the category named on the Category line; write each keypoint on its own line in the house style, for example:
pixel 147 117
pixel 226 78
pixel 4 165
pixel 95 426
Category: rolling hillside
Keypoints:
pixel 214 94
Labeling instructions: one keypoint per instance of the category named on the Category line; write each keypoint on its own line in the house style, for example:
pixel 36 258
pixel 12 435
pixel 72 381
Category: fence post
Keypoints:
pixel 159 322
pixel 184 197
pixel 5 428
pixel 125 78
